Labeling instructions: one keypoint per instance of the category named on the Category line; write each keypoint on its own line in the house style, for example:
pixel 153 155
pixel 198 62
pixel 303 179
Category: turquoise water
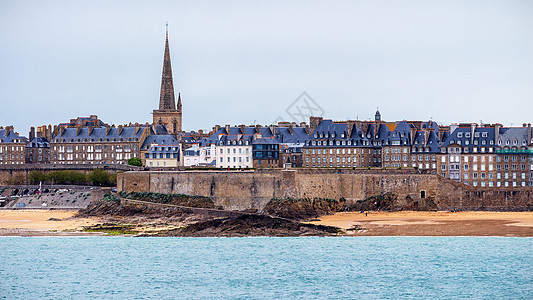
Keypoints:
pixel 266 268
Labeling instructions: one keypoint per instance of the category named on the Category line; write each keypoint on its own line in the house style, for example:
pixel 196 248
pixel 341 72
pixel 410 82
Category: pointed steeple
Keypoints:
pixel 179 102
pixel 166 98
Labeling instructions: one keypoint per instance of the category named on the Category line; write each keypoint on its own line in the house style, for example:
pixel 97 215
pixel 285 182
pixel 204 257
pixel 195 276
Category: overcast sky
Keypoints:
pixel 240 62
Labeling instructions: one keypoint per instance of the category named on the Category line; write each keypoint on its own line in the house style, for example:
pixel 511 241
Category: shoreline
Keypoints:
pixel 27 223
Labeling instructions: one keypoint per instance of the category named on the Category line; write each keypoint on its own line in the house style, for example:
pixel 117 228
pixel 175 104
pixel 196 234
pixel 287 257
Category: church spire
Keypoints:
pixel 179 102
pixel 166 98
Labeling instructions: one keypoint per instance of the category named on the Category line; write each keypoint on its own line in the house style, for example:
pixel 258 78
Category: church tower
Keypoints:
pixel 168 113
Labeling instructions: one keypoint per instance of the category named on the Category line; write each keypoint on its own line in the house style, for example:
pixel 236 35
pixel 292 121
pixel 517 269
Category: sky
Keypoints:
pixel 250 62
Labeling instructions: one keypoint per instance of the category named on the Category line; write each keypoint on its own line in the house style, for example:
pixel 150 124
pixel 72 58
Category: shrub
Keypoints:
pixel 135 161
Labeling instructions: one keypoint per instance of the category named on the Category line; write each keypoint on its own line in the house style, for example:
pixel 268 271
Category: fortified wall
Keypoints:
pixel 241 190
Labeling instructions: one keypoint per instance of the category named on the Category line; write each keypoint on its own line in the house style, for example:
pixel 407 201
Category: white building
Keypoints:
pixel 201 154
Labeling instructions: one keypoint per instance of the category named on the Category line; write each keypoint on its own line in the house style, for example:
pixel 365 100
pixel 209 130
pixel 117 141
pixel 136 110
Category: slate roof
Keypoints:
pixel 432 145
pixel 513 137
pixel 331 134
pixel 298 136
pixel 192 151
pixel 401 135
pixel 482 137
pixel 11 137
pixel 38 142
pixel 163 140
pixel 265 141
pixel 99 134
pixel 172 149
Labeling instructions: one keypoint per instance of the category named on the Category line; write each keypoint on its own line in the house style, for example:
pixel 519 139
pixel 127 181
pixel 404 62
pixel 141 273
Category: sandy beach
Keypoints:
pixel 36 222
pixel 406 223
pixel 411 223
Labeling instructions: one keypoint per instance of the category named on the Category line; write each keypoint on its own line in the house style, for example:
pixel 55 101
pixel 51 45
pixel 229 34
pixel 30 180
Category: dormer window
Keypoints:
pixel 342 135
pixel 491 142
pixel 484 134
pixel 476 134
pixel 459 134
pixel 483 142
pixel 316 135
pixel 467 134
pixel 475 142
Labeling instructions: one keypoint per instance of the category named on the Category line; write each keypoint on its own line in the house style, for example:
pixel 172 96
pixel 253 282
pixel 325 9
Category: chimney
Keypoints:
pixel 243 128
pixel 472 129
pixel 78 129
pixel 108 128
pixel 291 128
pixel 257 128
pixel 497 127
pixel 32 133
pixel 90 130
pixel 200 131
pixel 8 130
pixel 529 134
pixel 216 128
pixel 49 133
pixel 314 122
pixel 228 129
pixel 273 130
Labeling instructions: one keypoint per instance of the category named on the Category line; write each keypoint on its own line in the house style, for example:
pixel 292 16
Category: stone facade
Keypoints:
pixel 12 147
pixel 168 113
pixel 241 190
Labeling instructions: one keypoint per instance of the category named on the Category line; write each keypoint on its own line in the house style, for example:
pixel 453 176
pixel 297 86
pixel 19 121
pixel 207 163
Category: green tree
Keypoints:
pixel 98 177
pixel 135 161
pixel 36 177
pixel 67 177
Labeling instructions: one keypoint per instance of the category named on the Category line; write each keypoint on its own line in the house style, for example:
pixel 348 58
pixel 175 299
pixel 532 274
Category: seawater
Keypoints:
pixel 266 268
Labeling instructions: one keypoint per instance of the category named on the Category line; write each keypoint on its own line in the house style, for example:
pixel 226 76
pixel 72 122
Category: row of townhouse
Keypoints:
pixel 12 147
pixel 250 147
pixel 478 156
pixel 488 156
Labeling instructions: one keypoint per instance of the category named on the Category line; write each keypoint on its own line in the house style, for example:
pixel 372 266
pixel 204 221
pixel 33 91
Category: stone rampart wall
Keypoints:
pixel 241 190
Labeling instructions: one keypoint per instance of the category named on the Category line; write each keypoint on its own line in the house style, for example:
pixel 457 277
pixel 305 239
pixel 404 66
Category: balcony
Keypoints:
pixel 515 151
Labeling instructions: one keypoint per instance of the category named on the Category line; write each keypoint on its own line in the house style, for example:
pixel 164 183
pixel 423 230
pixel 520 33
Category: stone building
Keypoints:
pixel 265 152
pixel 37 151
pixel 12 147
pixel 345 144
pixel 291 140
pixel 168 113
pixel 164 156
pixel 488 156
pixel 97 145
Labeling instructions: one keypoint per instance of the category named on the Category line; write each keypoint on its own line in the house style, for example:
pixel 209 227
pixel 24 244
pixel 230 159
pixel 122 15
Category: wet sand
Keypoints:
pixel 411 223
pixel 31 222
pixel 519 224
